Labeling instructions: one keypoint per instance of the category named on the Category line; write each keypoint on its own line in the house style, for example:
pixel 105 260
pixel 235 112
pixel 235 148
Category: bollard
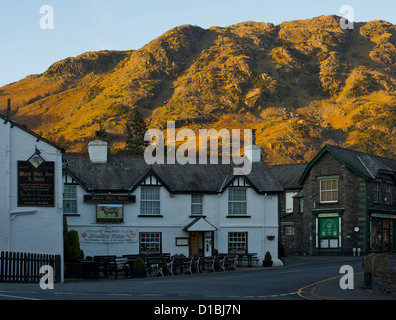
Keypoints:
pixel 354 251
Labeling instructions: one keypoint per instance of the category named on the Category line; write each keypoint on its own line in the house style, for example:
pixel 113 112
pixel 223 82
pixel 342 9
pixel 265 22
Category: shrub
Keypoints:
pixel 268 256
pixel 139 264
pixel 71 244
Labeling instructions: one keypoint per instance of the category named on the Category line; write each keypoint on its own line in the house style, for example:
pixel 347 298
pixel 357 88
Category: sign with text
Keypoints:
pixel 106 236
pixel 109 198
pixel 36 185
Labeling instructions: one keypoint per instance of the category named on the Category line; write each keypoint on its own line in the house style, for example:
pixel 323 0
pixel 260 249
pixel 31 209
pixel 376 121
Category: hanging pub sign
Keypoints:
pixel 36 182
pixel 109 212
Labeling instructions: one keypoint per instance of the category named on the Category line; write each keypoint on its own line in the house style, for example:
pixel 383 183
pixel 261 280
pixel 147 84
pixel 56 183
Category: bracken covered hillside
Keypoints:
pixel 301 84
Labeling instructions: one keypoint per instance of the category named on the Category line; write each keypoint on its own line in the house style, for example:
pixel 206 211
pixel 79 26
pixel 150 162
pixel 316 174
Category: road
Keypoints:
pixel 282 283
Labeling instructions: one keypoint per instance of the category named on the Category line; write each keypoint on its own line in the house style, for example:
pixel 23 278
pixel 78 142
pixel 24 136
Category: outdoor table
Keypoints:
pixel 249 258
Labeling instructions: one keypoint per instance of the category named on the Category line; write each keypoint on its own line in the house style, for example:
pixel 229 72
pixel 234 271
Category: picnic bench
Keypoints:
pixel 111 263
pixel 248 258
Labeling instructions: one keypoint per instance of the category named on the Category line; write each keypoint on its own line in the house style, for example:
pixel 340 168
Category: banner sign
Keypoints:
pixel 36 184
pixel 106 236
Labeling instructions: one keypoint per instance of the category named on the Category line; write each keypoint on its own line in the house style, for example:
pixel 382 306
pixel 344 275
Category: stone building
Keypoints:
pixel 349 203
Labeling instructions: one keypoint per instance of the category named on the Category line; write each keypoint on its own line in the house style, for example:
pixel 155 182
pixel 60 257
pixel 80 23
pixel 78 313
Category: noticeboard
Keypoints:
pixel 36 185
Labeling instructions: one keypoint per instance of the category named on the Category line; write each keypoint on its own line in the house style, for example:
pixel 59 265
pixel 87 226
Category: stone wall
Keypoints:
pixel 384 281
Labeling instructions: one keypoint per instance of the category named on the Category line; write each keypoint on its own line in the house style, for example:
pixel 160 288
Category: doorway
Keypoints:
pixel 196 243
pixel 201 243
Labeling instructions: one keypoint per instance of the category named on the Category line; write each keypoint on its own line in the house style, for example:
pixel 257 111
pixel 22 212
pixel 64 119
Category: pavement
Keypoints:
pixel 329 289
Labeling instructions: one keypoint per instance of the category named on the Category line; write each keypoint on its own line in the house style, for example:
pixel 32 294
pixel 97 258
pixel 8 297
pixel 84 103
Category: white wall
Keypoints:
pixel 28 229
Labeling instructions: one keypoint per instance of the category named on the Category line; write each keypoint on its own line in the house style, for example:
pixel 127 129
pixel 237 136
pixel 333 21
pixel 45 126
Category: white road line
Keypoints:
pixel 17 297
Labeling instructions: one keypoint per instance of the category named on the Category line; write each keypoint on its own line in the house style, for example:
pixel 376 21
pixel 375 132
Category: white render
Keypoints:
pixel 28 229
pixel 175 210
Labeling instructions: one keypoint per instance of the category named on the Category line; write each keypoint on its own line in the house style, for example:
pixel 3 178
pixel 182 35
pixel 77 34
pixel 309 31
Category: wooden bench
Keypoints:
pixel 155 263
pixel 182 263
pixel 230 262
pixel 205 263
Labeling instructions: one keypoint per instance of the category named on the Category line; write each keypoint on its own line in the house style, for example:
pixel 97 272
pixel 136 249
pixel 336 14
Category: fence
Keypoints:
pixel 25 267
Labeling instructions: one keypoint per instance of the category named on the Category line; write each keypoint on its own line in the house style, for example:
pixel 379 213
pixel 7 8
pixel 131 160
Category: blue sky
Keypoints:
pixel 92 25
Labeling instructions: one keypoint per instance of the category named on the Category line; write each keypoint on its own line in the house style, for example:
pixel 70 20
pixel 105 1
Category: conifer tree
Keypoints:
pixel 135 129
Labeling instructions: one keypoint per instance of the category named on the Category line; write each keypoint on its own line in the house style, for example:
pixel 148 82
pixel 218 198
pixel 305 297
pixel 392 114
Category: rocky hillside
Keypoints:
pixel 301 84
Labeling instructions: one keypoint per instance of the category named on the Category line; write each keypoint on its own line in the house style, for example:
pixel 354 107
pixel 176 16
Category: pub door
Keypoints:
pixel 196 243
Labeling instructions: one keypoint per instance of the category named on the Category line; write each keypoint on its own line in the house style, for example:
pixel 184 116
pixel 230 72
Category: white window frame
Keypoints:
pixel 237 242
pixel 150 205
pixel 327 190
pixel 151 240
pixel 70 197
pixel 235 211
pixel 197 204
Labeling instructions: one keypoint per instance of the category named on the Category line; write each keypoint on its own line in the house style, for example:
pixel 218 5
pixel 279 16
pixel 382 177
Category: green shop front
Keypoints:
pixel 328 230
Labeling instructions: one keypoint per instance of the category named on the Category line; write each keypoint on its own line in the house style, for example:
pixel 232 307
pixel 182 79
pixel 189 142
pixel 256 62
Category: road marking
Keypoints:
pixel 17 297
pixel 313 284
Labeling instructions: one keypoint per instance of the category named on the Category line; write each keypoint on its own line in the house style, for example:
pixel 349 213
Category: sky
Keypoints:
pixel 31 40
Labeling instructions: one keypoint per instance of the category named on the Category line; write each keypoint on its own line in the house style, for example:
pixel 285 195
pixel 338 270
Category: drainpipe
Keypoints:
pixel 8 175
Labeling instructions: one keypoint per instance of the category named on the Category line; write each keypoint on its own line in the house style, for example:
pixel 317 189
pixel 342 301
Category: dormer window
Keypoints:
pixel 388 193
pixel 150 201
pixel 237 204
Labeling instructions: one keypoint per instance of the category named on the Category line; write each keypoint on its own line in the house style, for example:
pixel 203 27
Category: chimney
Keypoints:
pixel 252 151
pixel 97 150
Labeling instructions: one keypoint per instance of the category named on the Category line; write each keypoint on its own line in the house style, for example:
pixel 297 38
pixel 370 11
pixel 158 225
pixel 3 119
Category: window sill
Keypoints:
pixel 197 216
pixel 238 216
pixel 71 214
pixel 150 216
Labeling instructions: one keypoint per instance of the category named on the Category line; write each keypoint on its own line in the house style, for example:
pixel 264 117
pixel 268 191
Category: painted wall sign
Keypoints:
pixel 106 236
pixel 109 212
pixel 36 185
pixel 109 198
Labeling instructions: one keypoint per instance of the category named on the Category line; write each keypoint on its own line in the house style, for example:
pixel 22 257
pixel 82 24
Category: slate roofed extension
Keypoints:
pixel 125 173
pixel 288 175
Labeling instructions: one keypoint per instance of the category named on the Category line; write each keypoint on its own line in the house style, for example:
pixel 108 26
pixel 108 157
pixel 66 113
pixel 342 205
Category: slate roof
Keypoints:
pixel 288 175
pixel 366 165
pixel 122 173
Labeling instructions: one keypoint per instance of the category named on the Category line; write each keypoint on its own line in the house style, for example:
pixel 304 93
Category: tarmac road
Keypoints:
pixel 302 278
